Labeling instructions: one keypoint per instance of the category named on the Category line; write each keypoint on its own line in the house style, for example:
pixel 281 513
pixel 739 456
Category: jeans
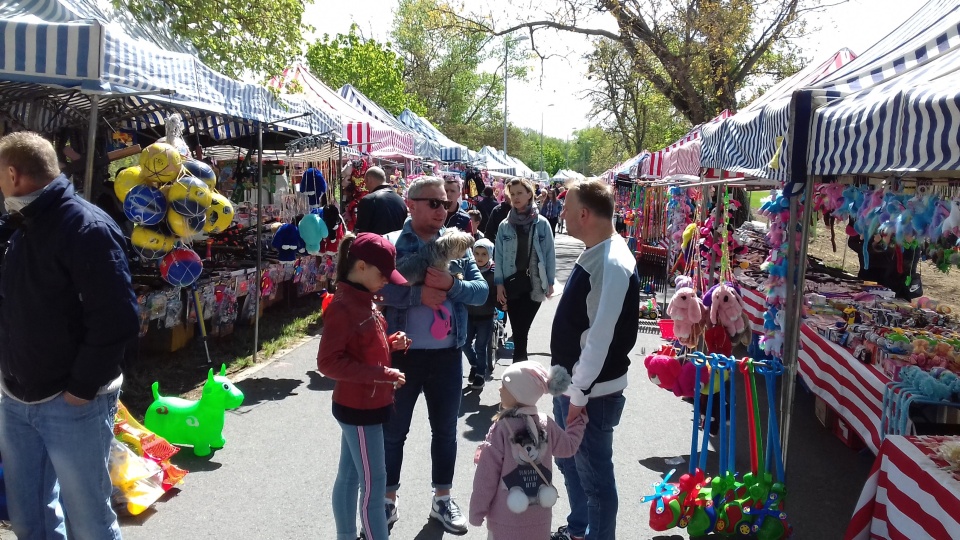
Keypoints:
pixel 588 476
pixel 522 312
pixel 553 224
pixel 56 456
pixel 362 469
pixel 438 375
pixel 477 347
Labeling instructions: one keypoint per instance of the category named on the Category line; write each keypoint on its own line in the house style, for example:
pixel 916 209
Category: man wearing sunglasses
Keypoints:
pixel 434 316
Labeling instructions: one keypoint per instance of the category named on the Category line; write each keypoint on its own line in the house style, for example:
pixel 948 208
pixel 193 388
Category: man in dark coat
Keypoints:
pixel 67 312
pixel 381 211
pixel 485 205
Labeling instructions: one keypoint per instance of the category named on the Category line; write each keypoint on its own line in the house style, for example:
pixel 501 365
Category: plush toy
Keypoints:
pixel 663 369
pixel 943 355
pixel 727 309
pixel 687 311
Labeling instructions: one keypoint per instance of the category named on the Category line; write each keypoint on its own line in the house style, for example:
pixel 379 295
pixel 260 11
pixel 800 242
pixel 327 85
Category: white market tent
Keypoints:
pixel 365 134
pixel 449 150
pixel 493 161
pixel 423 147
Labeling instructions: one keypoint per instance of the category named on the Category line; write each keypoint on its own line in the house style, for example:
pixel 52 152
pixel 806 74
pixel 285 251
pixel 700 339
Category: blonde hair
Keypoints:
pixel 31 155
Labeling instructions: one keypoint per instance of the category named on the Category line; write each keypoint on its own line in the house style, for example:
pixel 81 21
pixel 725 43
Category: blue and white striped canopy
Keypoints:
pixel 748 141
pixel 449 150
pixel 65 54
pixel 900 110
pixel 495 161
pixel 423 146
pixel 633 166
pixel 82 48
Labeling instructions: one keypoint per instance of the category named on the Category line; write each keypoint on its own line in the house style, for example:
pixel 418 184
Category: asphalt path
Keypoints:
pixel 274 477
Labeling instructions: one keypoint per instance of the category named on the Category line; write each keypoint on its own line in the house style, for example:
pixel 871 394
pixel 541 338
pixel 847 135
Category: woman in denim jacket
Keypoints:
pixel 524 244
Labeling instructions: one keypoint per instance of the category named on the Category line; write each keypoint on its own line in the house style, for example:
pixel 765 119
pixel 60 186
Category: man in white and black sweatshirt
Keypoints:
pixel 594 330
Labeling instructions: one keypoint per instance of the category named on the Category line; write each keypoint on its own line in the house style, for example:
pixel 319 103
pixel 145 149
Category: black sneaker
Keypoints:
pixel 476 382
pixel 448 513
pixel 473 373
pixel 562 534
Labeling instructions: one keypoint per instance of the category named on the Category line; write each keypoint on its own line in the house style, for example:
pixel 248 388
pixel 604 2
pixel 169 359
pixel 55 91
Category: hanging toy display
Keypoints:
pixel 725 504
pixel 170 199
pixel 777 210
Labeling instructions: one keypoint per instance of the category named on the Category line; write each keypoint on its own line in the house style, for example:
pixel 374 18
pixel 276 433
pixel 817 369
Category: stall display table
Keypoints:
pixel 754 303
pixel 908 494
pixel 853 389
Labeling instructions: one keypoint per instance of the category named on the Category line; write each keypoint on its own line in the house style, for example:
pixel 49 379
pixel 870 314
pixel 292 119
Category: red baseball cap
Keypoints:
pixel 376 250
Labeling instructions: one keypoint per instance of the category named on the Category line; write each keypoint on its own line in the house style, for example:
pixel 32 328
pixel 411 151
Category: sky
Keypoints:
pixel 561 80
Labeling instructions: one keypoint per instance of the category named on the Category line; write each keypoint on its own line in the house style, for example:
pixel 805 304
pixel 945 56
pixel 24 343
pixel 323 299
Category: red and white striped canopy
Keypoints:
pixel 365 133
pixel 683 156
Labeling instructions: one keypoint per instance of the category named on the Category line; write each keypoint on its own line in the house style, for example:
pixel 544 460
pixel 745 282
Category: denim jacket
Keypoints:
pixel 505 252
pixel 471 290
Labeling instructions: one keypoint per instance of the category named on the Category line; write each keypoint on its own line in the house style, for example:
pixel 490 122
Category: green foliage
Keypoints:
pixel 698 55
pixel 627 105
pixel 261 37
pixel 442 70
pixel 372 67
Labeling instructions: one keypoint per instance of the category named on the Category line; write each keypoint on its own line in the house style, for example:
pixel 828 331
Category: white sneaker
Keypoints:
pixel 448 513
pixel 393 513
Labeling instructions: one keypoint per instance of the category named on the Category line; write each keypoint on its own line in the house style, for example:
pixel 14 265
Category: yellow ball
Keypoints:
pixel 189 196
pixel 151 243
pixel 219 215
pixel 126 180
pixel 185 226
pixel 160 163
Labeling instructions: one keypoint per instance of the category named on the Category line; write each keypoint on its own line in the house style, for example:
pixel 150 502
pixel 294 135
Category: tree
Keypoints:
pixel 698 54
pixel 442 69
pixel 261 37
pixel 372 67
pixel 628 105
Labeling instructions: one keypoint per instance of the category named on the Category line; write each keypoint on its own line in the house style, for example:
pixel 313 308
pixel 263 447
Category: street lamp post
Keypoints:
pixel 541 135
pixel 506 75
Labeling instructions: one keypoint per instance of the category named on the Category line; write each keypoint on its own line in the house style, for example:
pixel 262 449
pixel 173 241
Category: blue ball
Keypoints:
pixel 181 267
pixel 145 205
pixel 202 171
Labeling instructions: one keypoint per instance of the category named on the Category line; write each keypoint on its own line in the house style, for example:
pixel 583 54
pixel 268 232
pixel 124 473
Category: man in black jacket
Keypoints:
pixel 497 215
pixel 485 205
pixel 382 210
pixel 67 309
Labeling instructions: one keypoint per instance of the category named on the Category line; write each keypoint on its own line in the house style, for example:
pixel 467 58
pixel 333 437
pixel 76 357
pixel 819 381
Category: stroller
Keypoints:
pixel 498 340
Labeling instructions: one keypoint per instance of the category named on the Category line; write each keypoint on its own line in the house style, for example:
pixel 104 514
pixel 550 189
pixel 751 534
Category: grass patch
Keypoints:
pixel 182 371
pixel 755 197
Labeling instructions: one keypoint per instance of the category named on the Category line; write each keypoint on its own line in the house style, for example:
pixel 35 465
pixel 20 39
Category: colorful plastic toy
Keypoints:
pixel 195 423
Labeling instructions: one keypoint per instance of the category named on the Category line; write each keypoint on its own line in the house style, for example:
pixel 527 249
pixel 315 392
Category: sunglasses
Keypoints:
pixel 434 203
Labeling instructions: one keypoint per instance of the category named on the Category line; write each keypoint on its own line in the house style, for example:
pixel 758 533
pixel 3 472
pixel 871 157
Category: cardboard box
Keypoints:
pixel 843 431
pixel 824 413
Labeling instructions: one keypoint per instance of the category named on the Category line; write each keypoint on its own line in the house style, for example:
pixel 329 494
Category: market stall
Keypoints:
pixel 913 491
pixel 423 147
pixel 364 133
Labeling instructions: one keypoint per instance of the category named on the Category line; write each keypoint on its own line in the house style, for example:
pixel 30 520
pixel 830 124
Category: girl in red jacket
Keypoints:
pixel 355 351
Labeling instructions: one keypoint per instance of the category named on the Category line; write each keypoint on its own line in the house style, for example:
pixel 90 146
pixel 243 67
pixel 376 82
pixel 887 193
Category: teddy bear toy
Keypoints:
pixel 726 309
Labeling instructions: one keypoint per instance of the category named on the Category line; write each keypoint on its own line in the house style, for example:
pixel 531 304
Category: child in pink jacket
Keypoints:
pixel 513 486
